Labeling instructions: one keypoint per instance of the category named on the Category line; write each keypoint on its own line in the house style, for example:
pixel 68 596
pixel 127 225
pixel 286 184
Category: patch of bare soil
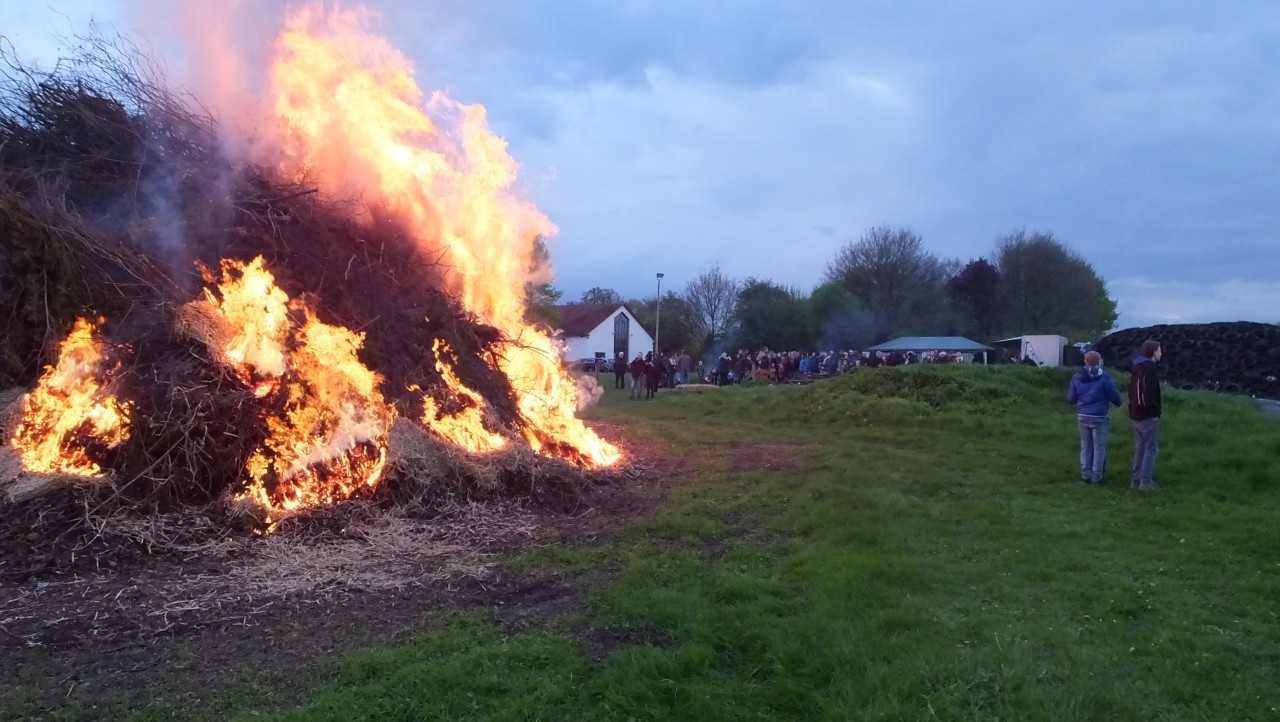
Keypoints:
pixel 182 628
pixel 761 457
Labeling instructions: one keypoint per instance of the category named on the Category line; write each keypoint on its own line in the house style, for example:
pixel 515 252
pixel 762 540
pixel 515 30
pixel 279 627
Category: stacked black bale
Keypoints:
pixel 1236 358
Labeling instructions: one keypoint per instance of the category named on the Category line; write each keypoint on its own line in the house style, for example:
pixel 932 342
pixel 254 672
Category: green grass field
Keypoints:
pixel 894 544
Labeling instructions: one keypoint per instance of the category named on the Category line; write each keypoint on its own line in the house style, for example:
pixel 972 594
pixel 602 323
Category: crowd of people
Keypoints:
pixel 783 366
pixel 1091 390
pixel 647 374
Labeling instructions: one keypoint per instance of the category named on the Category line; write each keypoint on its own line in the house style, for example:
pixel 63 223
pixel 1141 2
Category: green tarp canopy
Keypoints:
pixel 931 343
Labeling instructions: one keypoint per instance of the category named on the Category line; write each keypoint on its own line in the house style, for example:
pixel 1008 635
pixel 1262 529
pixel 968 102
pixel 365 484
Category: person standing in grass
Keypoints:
pixel 620 371
pixel 1144 410
pixel 1091 390
pixel 637 376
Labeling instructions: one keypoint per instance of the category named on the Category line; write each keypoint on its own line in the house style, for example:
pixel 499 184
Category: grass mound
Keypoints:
pixel 891 395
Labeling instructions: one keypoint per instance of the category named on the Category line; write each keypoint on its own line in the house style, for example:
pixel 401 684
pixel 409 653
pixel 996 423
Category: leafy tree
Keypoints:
pixel 1048 288
pixel 891 275
pixel 711 297
pixel 679 323
pixel 771 315
pixel 977 294
pixel 840 320
pixel 601 295
pixel 540 295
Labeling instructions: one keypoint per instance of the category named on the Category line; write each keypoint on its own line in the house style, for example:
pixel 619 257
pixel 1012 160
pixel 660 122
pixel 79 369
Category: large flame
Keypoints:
pixel 70 410
pixel 464 427
pixel 354 121
pixel 330 440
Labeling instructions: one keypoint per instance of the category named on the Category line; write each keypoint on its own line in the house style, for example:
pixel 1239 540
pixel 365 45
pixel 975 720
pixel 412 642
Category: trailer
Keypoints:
pixel 1042 350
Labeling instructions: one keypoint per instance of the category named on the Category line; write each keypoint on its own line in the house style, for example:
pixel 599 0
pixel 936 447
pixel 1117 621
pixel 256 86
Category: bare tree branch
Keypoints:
pixel 712 296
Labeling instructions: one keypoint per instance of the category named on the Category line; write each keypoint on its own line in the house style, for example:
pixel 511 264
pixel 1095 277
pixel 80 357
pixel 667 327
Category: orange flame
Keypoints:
pixel 70 408
pixel 464 428
pixel 330 441
pixel 260 312
pixel 353 119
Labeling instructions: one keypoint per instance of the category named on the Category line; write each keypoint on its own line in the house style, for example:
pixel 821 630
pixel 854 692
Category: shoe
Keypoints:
pixel 1133 483
pixel 1147 486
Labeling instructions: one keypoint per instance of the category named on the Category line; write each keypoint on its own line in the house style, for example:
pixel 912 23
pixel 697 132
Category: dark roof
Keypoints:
pixel 580 319
pixel 930 343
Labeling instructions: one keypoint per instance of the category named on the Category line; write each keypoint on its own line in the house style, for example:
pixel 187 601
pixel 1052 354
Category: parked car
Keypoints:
pixel 594 365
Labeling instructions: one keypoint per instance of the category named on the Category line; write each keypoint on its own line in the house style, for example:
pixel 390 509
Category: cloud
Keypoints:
pixel 1144 302
pixel 1141 134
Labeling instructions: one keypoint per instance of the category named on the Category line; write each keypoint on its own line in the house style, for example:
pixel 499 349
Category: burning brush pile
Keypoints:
pixel 203 340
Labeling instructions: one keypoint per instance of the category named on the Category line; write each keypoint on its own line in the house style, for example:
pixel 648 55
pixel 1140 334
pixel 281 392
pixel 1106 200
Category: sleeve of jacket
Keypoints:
pixel 1072 394
pixel 1113 392
pixel 1152 381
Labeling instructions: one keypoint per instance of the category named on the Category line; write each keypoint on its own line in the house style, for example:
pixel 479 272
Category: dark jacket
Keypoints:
pixel 722 365
pixel 654 371
pixel 1091 390
pixel 1144 390
pixel 637 368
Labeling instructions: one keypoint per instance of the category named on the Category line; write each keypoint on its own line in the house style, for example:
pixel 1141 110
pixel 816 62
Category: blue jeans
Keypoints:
pixel 1146 445
pixel 1093 446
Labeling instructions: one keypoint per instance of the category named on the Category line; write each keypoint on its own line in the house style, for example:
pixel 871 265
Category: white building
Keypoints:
pixel 591 330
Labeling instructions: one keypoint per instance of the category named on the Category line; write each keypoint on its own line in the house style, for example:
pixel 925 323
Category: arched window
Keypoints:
pixel 622 336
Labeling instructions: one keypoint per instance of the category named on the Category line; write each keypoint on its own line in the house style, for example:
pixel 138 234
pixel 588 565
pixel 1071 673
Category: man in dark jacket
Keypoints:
pixel 722 370
pixel 620 371
pixel 1144 410
pixel 1091 390
pixel 655 369
pixel 638 380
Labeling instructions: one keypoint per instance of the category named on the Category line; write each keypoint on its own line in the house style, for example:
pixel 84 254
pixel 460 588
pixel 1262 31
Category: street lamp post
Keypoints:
pixel 657 324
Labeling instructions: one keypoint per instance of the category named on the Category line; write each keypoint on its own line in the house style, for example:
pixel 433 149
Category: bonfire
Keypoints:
pixel 264 335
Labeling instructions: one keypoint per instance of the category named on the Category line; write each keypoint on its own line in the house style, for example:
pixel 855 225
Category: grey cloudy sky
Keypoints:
pixel 763 136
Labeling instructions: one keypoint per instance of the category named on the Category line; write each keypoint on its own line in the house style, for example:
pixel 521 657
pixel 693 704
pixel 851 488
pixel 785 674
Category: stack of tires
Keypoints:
pixel 1234 358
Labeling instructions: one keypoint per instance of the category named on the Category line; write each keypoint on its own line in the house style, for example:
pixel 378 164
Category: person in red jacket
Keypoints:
pixel 1144 410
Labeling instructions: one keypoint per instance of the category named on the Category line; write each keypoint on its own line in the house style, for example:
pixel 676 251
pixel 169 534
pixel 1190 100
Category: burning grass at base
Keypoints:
pixel 95 526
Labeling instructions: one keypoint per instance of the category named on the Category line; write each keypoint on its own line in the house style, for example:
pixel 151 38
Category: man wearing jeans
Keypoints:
pixel 1091 390
pixel 1144 409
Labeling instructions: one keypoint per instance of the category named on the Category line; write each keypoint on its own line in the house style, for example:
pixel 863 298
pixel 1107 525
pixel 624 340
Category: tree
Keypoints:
pixel 679 324
pixel 1050 289
pixel 711 297
pixel 767 314
pixel 606 296
pixel 540 296
pixel 977 295
pixel 891 275
pixel 840 320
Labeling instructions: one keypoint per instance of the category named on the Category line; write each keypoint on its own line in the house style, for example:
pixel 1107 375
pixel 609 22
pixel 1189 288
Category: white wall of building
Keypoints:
pixel 600 340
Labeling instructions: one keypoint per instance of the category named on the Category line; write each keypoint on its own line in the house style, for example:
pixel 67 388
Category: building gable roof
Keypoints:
pixel 930 343
pixel 580 319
